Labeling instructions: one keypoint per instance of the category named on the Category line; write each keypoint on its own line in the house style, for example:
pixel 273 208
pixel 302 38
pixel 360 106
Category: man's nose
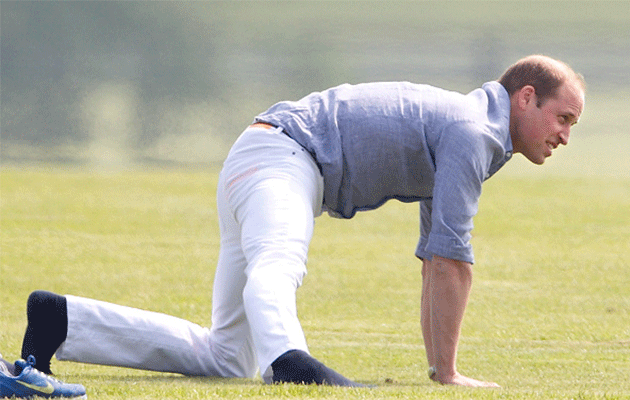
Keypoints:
pixel 564 136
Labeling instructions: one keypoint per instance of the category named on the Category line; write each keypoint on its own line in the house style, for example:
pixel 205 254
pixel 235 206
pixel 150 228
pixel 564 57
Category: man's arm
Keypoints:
pixel 445 289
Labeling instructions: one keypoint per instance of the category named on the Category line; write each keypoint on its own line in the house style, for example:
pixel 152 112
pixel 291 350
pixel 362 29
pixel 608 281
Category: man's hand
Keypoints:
pixel 461 380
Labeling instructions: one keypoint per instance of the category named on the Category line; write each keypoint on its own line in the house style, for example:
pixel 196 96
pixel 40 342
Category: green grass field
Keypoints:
pixel 549 315
pixel 548 318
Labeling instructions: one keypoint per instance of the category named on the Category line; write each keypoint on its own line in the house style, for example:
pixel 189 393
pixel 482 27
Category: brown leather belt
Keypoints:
pixel 263 125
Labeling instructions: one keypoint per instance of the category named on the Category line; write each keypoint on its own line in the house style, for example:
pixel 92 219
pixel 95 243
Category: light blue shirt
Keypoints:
pixel 379 141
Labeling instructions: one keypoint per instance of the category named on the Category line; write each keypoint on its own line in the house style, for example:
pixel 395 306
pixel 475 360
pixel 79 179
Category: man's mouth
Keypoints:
pixel 551 148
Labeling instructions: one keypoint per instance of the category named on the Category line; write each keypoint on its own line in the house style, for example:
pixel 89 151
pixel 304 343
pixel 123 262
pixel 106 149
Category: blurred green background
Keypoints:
pixel 114 84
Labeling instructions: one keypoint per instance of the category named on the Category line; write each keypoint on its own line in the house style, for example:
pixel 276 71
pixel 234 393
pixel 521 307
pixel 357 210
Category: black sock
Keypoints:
pixel 297 366
pixel 47 315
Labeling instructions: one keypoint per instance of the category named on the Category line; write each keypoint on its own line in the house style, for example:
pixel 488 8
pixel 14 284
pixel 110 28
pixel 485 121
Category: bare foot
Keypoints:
pixel 461 380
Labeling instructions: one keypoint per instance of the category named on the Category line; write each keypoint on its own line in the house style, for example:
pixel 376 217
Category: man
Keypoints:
pixel 343 150
pixel 21 380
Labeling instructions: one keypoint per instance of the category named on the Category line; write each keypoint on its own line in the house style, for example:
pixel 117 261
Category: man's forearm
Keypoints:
pixel 449 289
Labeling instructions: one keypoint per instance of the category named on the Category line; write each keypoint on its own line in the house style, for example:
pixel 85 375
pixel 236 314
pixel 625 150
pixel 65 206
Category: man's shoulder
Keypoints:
pixel 485 118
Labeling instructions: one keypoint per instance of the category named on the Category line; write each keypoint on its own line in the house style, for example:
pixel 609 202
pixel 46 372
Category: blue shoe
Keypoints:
pixel 30 383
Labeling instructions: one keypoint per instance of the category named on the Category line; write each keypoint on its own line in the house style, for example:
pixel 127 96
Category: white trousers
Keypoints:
pixel 269 192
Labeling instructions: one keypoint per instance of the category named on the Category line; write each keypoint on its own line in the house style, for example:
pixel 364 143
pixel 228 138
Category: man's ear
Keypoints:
pixel 526 95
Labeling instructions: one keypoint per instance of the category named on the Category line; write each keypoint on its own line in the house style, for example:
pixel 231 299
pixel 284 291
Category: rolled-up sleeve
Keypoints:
pixel 425 229
pixel 462 162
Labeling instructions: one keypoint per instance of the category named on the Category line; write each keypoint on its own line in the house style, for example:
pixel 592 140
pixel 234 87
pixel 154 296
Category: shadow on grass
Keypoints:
pixel 165 378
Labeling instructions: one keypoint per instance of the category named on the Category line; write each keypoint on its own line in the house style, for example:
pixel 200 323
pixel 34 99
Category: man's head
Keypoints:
pixel 547 98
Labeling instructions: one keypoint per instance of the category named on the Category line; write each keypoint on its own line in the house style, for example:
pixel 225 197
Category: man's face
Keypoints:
pixel 540 128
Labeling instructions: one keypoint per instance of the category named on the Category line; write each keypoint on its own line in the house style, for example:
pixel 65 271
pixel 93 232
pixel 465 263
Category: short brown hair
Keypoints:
pixel 545 74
